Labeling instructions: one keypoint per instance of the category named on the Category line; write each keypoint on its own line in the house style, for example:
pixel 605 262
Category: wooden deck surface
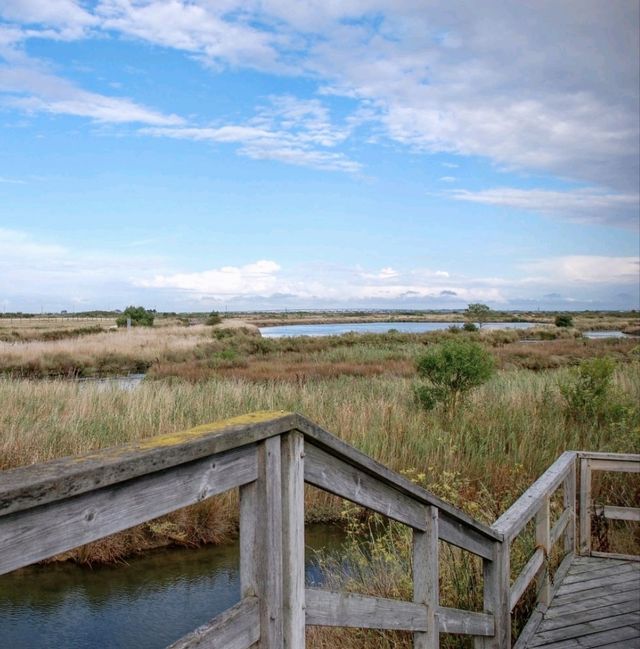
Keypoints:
pixel 596 605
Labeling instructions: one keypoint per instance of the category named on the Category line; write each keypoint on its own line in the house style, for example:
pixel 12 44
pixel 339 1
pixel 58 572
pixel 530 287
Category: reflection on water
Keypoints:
pixel 127 383
pixel 150 602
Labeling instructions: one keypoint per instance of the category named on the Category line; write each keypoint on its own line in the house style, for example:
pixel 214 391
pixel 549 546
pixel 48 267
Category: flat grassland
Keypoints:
pixel 359 387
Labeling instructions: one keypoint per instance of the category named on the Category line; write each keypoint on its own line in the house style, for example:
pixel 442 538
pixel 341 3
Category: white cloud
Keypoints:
pixel 34 90
pixel 383 273
pixel 579 205
pixel 585 269
pixel 448 179
pixel 288 130
pixel 257 279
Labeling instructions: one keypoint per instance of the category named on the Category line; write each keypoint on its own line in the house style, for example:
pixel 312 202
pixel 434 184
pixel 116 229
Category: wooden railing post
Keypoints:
pixel 543 540
pixel 569 501
pixel 293 540
pixel 497 587
pixel 425 579
pixel 261 545
pixel 585 506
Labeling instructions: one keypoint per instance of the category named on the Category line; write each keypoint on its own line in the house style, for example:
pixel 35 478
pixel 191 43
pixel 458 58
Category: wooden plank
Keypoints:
pixel 620 638
pixel 248 540
pixel 526 577
pixel 569 501
pixel 619 513
pixel 464 537
pixel 543 541
pixel 579 616
pixel 496 589
pixel 597 592
pixel 329 608
pixel 337 477
pixel 587 628
pixel 585 506
pixel 235 628
pixel 453 620
pixel 293 540
pixel 425 579
pixel 41 532
pixel 607 571
pixel 350 455
pixel 269 544
pixel 604 580
pixel 619 457
pixel 36 485
pixel 529 629
pixel 615 555
pixel 627 466
pixel 587 564
pixel 522 511
pixel 560 611
pixel 560 526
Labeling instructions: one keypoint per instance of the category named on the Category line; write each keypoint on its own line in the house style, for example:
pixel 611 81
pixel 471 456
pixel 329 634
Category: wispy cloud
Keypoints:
pixel 579 205
pixel 585 270
pixel 288 130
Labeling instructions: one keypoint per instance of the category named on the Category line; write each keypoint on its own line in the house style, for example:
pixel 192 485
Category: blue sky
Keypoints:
pixel 245 155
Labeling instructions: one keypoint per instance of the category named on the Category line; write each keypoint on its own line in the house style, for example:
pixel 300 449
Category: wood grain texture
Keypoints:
pixel 35 485
pixel 235 628
pixel 453 620
pixel 41 532
pixel 426 580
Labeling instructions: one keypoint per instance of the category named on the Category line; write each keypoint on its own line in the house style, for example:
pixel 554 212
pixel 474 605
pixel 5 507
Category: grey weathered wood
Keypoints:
pixel 235 628
pixel 496 594
pixel 453 620
pixel 268 550
pixel 596 592
pixel 248 540
pixel 511 523
pixel 585 506
pixel 560 611
pixel 618 457
pixel 35 485
pixel 627 466
pixel 293 540
pixel 605 580
pixel 619 513
pixel 581 615
pixel 606 571
pixel 526 576
pixel 336 476
pixel 425 579
pixel 615 555
pixel 328 608
pixel 41 532
pixel 560 526
pixel 350 455
pixel 569 501
pixel 458 534
pixel 543 541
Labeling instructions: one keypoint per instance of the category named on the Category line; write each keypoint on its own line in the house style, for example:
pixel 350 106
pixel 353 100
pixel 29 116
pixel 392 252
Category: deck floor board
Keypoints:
pixel 597 605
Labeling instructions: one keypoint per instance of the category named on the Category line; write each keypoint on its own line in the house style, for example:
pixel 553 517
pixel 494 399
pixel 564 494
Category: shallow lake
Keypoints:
pixel 147 603
pixel 376 327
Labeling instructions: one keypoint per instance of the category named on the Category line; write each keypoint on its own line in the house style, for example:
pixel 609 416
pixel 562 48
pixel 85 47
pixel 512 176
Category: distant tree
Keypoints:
pixel 214 318
pixel 478 313
pixel 140 317
pixel 450 371
pixel 564 320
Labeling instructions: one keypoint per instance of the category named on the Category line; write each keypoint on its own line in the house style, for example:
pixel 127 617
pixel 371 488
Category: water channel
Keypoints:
pixel 147 603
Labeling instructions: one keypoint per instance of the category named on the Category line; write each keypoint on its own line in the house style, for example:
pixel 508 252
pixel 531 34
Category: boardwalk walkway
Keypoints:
pixel 596 605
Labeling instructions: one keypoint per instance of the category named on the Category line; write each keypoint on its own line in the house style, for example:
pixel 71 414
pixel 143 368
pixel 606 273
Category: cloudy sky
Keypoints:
pixel 212 154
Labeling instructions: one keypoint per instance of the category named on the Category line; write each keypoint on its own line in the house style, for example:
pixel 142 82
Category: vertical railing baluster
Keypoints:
pixel 585 506
pixel 569 501
pixel 543 541
pixel 497 584
pixel 425 579
pixel 293 540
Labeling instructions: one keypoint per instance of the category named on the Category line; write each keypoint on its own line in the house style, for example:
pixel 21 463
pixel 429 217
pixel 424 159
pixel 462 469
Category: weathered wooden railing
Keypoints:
pixel 50 508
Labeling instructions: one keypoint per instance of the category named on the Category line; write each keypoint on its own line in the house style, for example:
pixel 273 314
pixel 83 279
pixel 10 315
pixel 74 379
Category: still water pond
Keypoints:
pixel 376 327
pixel 148 603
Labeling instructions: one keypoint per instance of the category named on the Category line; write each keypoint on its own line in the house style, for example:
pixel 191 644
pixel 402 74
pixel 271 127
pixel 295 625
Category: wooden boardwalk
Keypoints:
pixel 597 604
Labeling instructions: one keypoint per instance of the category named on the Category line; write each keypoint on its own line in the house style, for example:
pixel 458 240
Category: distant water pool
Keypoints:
pixel 375 327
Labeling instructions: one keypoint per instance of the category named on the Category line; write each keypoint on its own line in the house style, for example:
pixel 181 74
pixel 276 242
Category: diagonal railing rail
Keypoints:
pixel 53 507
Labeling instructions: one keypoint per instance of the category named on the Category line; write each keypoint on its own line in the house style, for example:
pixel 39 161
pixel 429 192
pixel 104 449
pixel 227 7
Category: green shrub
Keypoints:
pixel 140 317
pixel 213 318
pixel 450 371
pixel 469 326
pixel 588 395
pixel 564 320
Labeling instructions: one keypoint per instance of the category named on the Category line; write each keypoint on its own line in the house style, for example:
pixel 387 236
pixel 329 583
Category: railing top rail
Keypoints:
pixel 38 484
pixel 618 457
pixel 520 513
